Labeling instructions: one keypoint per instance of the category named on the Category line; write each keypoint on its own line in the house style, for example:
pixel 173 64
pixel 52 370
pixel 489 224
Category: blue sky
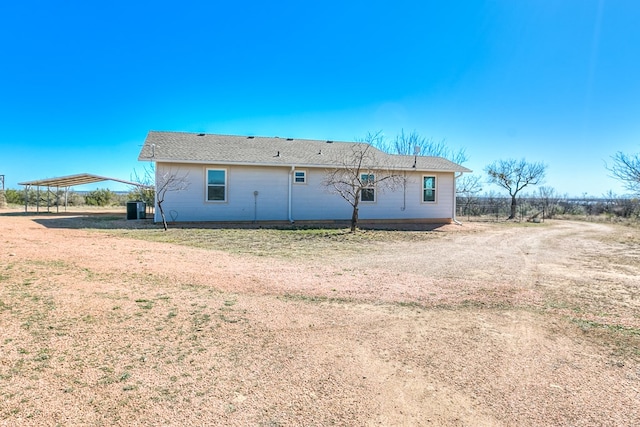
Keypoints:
pixel 557 81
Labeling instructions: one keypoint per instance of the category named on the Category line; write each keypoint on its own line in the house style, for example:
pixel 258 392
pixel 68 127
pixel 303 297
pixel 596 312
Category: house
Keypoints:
pixel 258 179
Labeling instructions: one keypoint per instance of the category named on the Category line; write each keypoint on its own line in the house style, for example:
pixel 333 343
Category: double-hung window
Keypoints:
pixel 428 188
pixel 216 185
pixel 368 192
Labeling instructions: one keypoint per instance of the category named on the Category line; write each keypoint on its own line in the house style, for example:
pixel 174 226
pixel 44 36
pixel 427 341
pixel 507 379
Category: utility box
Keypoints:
pixel 142 210
pixel 136 210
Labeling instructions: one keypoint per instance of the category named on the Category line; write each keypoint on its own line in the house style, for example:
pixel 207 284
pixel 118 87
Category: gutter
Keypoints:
pixel 302 165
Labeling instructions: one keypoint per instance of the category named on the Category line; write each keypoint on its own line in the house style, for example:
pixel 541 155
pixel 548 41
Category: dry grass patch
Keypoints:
pixel 280 243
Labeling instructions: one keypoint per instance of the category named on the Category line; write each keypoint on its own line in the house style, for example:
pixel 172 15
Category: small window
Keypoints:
pixel 216 185
pixel 367 179
pixel 368 193
pixel 300 177
pixel 428 188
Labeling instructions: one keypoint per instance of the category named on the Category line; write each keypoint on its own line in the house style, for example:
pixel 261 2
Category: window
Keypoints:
pixel 300 177
pixel 216 185
pixel 368 193
pixel 428 188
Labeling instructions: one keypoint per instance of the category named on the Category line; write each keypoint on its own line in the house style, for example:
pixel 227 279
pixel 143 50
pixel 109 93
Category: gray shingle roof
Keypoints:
pixel 248 150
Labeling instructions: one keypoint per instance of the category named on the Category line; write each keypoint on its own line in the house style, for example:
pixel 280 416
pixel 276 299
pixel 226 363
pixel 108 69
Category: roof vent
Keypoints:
pixel 320 152
pixel 250 137
pixel 329 142
pixel 201 134
pixel 277 154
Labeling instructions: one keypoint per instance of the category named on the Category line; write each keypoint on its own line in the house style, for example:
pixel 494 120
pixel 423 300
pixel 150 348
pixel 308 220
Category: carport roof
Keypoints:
pixel 79 179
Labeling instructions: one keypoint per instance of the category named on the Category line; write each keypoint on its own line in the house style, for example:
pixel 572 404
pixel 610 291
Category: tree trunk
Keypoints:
pixel 164 220
pixel 513 207
pixel 354 219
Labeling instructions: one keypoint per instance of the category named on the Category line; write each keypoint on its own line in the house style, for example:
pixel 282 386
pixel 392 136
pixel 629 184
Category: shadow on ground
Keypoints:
pixel 118 220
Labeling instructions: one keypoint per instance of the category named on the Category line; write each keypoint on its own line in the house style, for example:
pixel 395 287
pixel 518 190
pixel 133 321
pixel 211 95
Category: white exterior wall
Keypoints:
pixel 314 201
pixel 241 204
pixel 309 201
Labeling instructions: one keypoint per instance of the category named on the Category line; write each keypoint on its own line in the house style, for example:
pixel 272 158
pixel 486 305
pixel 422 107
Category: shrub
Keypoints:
pixel 101 197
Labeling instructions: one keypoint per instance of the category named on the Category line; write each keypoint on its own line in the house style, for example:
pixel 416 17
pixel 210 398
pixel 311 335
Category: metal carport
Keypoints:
pixel 65 182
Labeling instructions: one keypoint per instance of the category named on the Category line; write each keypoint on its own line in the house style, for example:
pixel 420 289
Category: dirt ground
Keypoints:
pixel 472 325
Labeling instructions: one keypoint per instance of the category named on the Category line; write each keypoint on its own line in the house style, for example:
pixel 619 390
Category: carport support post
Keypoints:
pixel 26 198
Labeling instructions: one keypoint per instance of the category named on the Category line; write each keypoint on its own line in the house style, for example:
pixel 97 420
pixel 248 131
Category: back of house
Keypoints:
pixel 227 178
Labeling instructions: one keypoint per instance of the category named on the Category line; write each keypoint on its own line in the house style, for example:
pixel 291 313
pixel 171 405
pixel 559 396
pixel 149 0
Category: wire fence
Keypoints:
pixel 538 209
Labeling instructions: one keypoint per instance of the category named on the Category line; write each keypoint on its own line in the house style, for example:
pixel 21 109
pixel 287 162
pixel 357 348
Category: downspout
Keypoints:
pixel 291 174
pixel 404 191
pixel 156 212
pixel 455 197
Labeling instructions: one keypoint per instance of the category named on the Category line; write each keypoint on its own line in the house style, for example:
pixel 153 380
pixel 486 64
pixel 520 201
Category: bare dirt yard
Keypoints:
pixel 111 322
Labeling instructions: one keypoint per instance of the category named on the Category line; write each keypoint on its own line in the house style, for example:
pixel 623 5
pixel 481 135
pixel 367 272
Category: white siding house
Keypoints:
pixel 256 179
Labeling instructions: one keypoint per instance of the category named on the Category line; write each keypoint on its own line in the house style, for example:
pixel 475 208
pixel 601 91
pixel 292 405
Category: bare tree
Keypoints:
pixel 514 175
pixel 626 168
pixel 413 143
pixel 359 175
pixel 549 199
pixel 609 203
pixel 467 187
pixel 145 190
pixel 166 182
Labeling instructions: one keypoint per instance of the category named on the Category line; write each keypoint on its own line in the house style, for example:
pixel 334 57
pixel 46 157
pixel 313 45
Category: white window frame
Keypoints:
pixel 304 176
pixel 434 189
pixel 207 185
pixel 368 187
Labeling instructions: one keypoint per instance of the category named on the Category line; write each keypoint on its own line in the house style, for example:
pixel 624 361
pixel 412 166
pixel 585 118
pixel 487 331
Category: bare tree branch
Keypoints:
pixel 626 168
pixel 413 143
pixel 468 185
